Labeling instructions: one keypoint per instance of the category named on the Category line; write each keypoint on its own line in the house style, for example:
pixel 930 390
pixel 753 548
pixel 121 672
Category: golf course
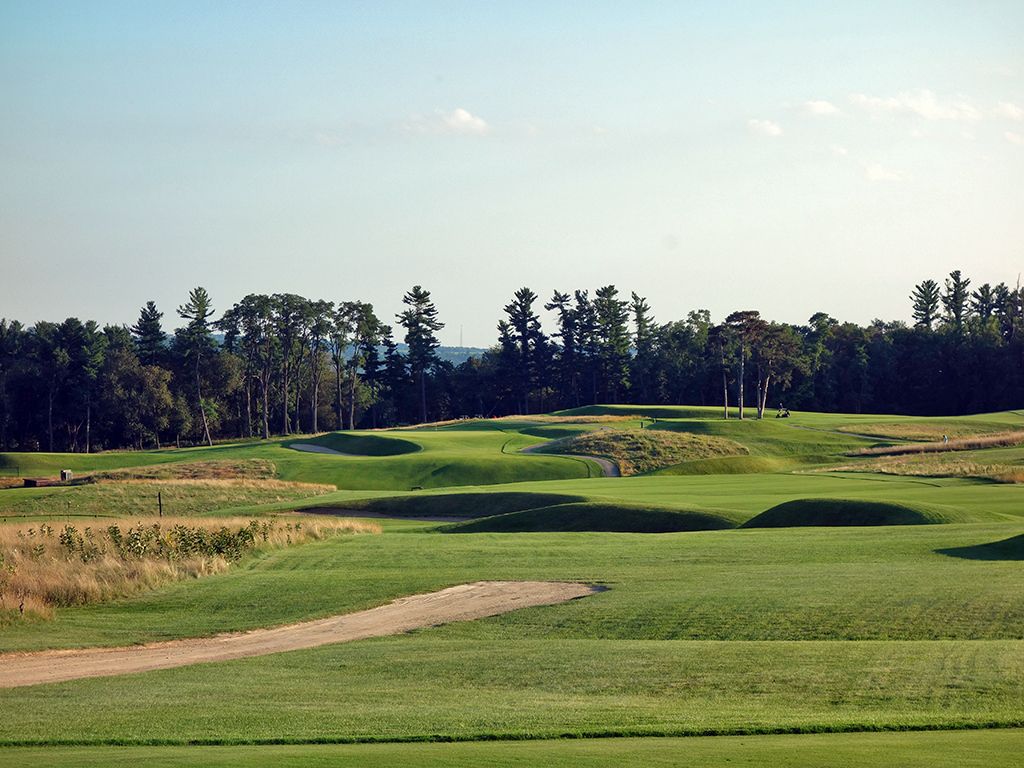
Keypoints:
pixel 610 585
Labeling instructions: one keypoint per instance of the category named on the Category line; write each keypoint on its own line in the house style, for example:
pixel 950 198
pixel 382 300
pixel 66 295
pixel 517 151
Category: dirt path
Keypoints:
pixel 608 467
pixel 462 603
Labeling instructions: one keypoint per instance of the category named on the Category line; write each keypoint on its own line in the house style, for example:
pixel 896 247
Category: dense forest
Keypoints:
pixel 283 364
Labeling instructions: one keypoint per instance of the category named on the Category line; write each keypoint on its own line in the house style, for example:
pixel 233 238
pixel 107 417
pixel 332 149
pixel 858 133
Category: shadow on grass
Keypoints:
pixel 1007 549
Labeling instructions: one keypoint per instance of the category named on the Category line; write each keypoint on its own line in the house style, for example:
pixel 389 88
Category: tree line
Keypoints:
pixel 283 364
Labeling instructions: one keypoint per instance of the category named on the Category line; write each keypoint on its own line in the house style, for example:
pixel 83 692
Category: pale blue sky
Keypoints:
pixel 788 157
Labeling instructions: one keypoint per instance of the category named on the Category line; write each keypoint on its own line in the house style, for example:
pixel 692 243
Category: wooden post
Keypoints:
pixel 160 503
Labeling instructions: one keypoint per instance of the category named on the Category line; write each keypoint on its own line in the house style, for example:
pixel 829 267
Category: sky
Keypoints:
pixel 781 156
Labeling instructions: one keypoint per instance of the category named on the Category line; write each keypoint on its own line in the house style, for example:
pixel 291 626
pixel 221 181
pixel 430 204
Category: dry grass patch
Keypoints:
pixel 639 451
pixel 936 465
pixel 1000 440
pixel 45 566
pixel 925 432
pixel 219 469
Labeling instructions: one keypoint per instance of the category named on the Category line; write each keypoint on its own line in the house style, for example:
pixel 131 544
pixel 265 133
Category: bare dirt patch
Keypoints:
pixel 462 603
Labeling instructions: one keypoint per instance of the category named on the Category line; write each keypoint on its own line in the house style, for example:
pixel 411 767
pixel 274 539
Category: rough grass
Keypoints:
pixel 640 451
pixel 925 430
pixel 216 469
pixel 1001 440
pixel 43 566
pixel 843 512
pixel 125 497
pixel 936 465
pixel 596 516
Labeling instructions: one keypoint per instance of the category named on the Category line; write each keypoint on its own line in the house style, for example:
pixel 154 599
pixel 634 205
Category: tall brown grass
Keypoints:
pixel 1001 440
pixel 214 469
pixel 46 566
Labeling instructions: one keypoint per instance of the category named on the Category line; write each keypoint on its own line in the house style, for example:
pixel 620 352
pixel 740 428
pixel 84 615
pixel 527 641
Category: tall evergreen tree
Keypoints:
pixel 150 339
pixel 955 300
pixel 642 372
pixel 926 303
pixel 568 350
pixel 12 346
pixel 529 340
pixel 612 316
pixel 196 342
pixel 420 322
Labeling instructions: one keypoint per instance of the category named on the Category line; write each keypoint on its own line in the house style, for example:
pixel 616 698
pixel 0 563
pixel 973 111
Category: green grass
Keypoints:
pixel 843 512
pixel 412 688
pixel 764 584
pixel 452 504
pixel 713 631
pixel 595 516
pixel 931 749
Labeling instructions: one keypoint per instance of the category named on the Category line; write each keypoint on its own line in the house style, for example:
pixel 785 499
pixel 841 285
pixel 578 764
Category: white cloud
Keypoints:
pixel 820 108
pixel 458 122
pixel 923 104
pixel 840 150
pixel 878 172
pixel 1014 138
pixel 464 122
pixel 1009 111
pixel 764 127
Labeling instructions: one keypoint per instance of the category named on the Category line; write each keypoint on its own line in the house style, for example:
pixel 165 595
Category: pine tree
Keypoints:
pixel 420 322
pixel 150 339
pixel 926 303
pixel 954 300
pixel 197 342
pixel 613 340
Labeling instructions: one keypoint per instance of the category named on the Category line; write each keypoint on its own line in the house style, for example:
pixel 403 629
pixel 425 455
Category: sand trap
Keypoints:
pixel 462 603
pixel 313 448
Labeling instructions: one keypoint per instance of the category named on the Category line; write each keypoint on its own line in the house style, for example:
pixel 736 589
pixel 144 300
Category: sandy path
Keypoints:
pixel 462 603
pixel 313 448
pixel 608 467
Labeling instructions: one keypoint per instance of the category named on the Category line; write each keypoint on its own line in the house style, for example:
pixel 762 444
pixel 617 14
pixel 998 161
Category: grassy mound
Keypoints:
pixel 364 445
pixel 467 505
pixel 596 516
pixel 639 451
pixel 1006 549
pixel 842 512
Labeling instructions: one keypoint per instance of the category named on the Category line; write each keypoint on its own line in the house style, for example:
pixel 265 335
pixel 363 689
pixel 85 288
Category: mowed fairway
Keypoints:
pixel 814 631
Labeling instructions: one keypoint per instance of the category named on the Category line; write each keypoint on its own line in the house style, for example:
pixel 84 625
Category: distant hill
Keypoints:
pixel 453 355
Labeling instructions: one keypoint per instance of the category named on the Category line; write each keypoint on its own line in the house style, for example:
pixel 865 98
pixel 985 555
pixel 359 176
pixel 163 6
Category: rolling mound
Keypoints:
pixel 364 445
pixel 637 451
pixel 596 516
pixel 1006 549
pixel 468 505
pixel 848 512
